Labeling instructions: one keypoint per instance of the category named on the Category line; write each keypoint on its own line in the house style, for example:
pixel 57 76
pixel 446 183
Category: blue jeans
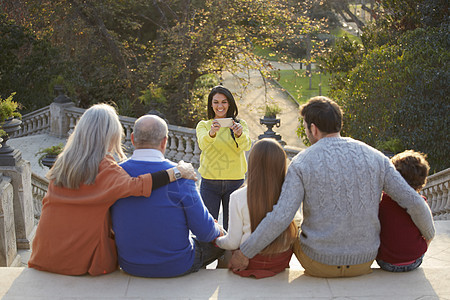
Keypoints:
pixel 205 253
pixel 393 268
pixel 214 192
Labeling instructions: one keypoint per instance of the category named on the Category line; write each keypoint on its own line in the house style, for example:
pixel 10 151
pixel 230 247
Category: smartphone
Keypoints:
pixel 225 122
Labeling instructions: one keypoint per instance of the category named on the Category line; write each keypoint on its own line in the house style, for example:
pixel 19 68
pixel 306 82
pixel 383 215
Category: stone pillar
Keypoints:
pixel 25 227
pixel 59 123
pixel 8 247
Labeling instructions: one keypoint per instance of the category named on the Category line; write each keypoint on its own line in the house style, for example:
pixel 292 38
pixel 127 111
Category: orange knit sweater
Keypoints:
pixel 74 234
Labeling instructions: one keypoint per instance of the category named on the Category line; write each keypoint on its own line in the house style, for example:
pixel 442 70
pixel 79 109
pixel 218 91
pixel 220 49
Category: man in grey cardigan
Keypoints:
pixel 339 181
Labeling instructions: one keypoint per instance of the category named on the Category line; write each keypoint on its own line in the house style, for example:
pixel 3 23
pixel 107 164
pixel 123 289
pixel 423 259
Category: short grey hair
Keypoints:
pixel 149 130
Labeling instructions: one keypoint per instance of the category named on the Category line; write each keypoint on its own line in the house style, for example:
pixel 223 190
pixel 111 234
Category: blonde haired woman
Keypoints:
pixel 249 205
pixel 74 234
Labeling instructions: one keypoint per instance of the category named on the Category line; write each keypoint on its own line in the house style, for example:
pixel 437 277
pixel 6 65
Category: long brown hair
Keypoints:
pixel 266 172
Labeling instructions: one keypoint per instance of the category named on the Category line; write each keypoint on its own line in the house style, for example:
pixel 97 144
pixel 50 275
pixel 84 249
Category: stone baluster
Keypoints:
pixel 446 198
pixel 36 204
pixel 188 156
pixel 72 122
pixel 196 158
pixel 428 192
pixel 128 145
pixel 47 120
pixel 180 150
pixel 27 126
pixel 33 124
pixel 173 146
pixel 441 207
pixel 39 124
pixel 437 204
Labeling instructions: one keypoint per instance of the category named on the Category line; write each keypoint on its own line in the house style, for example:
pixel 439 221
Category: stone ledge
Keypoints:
pixel 430 281
pixel 24 283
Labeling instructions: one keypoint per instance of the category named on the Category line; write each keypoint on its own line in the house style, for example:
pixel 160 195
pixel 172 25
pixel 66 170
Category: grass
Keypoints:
pixel 339 32
pixel 297 83
pixel 268 54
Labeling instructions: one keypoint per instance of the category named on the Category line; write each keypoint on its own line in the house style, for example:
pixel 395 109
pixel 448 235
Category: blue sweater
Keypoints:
pixel 152 234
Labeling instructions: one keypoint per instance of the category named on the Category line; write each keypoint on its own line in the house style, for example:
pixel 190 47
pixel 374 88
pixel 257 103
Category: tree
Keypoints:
pixel 397 89
pixel 342 8
pixel 211 38
pixel 27 65
pixel 146 55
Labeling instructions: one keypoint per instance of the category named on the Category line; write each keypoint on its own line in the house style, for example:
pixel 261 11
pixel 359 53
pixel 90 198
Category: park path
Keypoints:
pixel 251 102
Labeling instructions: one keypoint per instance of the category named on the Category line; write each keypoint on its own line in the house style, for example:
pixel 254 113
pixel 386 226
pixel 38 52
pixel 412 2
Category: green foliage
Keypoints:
pixel 153 95
pixel 391 145
pixel 27 65
pixel 140 55
pixel 271 110
pixel 400 91
pixel 345 55
pixel 9 108
pixel 197 107
pixel 395 92
pixel 301 133
pixel 220 37
pixel 52 150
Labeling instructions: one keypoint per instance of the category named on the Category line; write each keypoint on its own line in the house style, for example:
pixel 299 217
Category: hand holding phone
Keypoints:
pixel 225 122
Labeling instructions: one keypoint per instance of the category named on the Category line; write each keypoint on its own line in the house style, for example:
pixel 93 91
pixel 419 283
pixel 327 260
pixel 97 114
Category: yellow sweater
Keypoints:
pixel 221 159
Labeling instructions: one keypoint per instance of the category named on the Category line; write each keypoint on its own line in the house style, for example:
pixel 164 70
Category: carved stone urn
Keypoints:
pixel 270 121
pixel 49 160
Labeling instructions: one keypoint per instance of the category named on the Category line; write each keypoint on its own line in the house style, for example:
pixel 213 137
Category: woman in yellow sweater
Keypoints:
pixel 223 139
pixel 74 235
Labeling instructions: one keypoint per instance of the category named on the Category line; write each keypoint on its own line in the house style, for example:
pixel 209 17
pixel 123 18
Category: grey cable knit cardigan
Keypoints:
pixel 339 181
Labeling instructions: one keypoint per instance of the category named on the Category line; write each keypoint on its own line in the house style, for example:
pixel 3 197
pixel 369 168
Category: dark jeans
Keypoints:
pixel 214 192
pixel 205 253
pixel 393 268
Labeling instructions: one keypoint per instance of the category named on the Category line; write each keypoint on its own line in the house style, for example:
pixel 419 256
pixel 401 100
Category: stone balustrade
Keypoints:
pixel 182 143
pixel 436 191
pixel 39 187
pixel 35 122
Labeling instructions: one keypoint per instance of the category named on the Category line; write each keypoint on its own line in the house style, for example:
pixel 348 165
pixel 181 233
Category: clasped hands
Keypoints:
pixel 238 261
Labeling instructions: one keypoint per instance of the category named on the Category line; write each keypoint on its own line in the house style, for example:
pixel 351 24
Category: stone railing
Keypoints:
pixel 39 186
pixel 436 191
pixel 59 119
pixel 182 143
pixel 35 122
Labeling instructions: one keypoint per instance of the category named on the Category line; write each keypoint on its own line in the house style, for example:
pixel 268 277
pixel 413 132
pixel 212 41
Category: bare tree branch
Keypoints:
pixel 90 15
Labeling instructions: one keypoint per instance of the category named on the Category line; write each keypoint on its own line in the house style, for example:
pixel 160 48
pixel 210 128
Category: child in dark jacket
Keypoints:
pixel 402 246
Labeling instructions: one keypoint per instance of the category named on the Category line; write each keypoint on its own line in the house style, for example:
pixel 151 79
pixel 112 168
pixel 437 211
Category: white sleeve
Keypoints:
pixel 232 240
